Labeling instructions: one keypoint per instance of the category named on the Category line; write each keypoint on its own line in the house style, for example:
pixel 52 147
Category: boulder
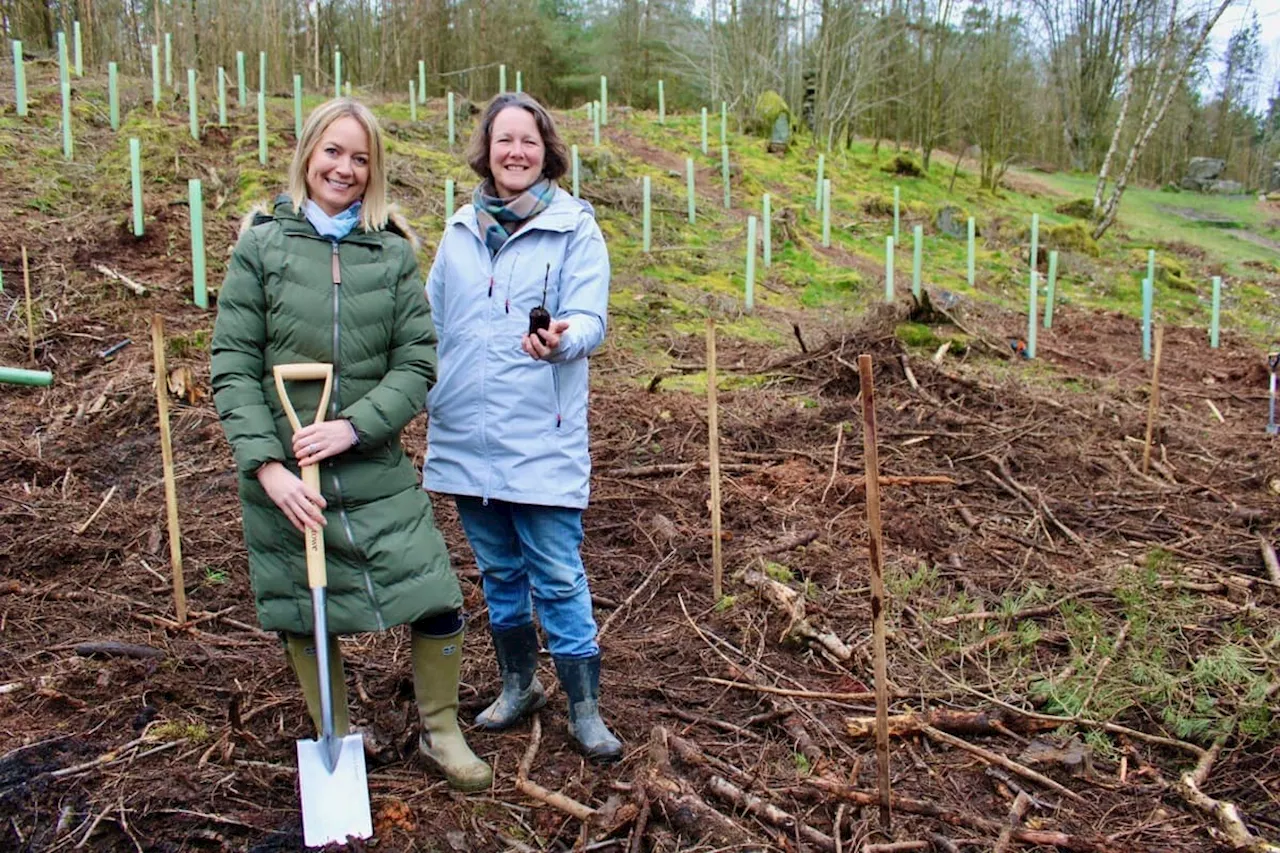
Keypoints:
pixel 1078 208
pixel 780 139
pixel 1202 171
pixel 904 164
pixel 953 222
pixel 1224 187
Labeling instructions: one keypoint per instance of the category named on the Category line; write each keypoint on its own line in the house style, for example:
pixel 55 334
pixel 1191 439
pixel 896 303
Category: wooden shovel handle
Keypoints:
pixel 317 577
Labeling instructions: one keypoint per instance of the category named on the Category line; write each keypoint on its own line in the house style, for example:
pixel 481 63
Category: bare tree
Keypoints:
pixel 1164 84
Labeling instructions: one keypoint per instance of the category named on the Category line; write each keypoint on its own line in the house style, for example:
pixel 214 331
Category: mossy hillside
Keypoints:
pixel 708 256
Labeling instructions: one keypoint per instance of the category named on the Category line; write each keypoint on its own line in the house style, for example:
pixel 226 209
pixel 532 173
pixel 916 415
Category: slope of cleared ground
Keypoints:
pixel 1091 646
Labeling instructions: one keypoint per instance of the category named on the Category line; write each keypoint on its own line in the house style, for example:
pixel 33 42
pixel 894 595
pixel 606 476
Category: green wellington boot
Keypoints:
pixel 301 651
pixel 437 664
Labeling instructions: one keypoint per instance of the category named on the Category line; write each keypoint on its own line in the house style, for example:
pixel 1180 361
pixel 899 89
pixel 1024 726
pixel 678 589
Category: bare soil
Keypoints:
pixel 1036 506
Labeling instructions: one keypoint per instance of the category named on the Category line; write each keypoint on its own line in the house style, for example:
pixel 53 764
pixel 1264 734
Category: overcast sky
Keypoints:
pixel 1269 20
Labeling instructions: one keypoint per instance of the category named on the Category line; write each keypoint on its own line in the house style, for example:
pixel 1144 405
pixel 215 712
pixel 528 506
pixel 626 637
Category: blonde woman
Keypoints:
pixel 328 275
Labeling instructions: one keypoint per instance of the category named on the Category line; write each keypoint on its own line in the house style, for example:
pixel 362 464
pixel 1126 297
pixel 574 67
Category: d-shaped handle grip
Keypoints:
pixel 314 372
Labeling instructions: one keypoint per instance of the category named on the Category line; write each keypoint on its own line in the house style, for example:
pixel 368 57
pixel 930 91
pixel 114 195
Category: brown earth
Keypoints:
pixel 1041 510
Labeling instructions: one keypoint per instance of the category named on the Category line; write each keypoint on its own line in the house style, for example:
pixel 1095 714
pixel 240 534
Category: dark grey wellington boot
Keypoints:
pixel 517 653
pixel 580 678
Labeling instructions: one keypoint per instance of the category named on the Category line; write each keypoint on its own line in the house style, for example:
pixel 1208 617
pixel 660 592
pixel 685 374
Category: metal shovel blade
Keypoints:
pixel 335 805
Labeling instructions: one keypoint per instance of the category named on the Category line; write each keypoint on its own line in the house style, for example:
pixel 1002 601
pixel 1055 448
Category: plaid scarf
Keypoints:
pixel 499 219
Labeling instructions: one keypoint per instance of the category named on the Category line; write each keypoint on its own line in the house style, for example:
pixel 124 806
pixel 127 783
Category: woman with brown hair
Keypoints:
pixel 519 293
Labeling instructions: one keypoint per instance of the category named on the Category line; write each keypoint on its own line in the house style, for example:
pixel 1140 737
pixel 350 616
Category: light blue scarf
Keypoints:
pixel 333 227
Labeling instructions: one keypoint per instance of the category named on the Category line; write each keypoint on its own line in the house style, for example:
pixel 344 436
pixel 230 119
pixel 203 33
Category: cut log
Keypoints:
pixel 111 649
pixel 986 723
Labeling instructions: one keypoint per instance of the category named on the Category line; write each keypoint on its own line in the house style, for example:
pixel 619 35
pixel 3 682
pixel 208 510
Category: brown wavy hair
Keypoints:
pixel 555 158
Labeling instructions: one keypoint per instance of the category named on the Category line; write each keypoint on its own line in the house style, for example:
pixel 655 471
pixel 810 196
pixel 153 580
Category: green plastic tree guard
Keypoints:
pixel 135 178
pixel 647 192
pixel 22 376
pixel 64 85
pixel 155 77
pixel 1216 312
pixel 297 106
pixel 888 269
pixel 1051 294
pixel 222 96
pixel 195 196
pixel 19 79
pixel 767 223
pixel 452 135
pixel 113 95
pixel 262 128
pixel 693 207
pixel 193 105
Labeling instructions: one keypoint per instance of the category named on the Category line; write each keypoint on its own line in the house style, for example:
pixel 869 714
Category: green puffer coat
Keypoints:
pixel 280 304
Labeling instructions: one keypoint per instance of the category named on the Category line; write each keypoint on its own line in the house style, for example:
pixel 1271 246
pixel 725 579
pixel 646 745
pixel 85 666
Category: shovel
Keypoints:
pixel 331 773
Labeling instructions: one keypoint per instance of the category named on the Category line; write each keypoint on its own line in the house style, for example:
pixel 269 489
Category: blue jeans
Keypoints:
pixel 526 551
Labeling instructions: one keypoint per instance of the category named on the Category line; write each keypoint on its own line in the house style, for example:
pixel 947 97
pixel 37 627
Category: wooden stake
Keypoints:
pixel 26 285
pixel 872 464
pixel 1154 403
pixel 166 453
pixel 713 441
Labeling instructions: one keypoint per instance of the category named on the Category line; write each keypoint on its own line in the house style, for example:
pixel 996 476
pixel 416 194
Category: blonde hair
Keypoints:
pixel 374 210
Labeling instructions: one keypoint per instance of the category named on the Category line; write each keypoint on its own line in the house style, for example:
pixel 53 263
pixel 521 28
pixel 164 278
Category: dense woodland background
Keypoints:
pixel 1039 82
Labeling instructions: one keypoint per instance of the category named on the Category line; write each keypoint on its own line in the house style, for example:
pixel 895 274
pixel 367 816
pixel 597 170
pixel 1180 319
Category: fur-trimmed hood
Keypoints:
pixel 283 207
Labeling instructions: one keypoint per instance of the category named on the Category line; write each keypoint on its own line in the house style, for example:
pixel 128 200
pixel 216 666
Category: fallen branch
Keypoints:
pixel 835 462
pixel 1090 844
pixel 1043 610
pixel 768 812
pixel 634 594
pixel 983 723
pixel 791 604
pixel 686 812
pixel 1230 824
pixel 866 696
pixel 800 540
pixel 85 526
pixel 1000 760
pixel 1269 558
pixel 1017 812
pixel 122 278
pixel 108 648
pixel 683 468
pixel 1039 501
pixel 532 789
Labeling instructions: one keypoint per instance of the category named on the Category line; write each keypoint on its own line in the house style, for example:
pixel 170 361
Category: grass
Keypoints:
pixel 1200 685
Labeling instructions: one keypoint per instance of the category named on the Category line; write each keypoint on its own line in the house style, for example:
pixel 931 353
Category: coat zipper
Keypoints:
pixel 493 267
pixel 335 406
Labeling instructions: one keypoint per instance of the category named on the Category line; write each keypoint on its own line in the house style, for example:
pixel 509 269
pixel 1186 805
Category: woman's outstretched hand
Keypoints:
pixel 318 442
pixel 300 503
pixel 545 342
